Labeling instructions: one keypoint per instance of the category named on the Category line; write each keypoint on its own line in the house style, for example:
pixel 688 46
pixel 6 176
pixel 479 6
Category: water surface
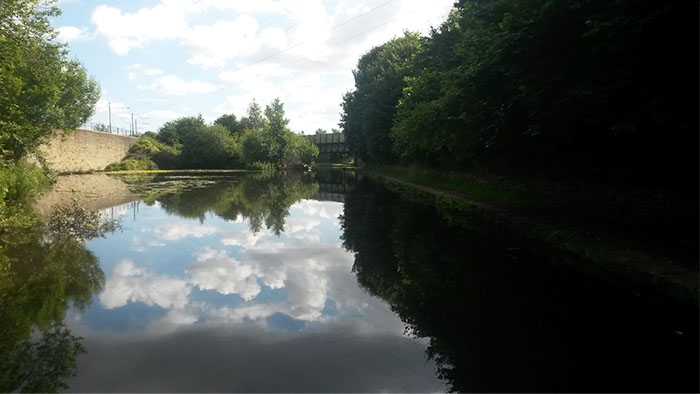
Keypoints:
pixel 321 283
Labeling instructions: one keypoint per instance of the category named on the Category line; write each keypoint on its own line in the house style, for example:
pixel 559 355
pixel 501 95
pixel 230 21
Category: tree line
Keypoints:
pixel 259 140
pixel 602 91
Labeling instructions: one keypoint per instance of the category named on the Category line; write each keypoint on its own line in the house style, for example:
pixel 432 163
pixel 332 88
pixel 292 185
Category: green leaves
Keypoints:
pixel 42 89
pixel 585 89
pixel 368 111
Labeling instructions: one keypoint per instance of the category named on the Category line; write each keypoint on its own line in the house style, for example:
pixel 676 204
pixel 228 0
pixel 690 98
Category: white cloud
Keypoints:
pixel 301 269
pixel 324 209
pixel 216 270
pixel 301 51
pixel 179 230
pixel 152 71
pixel 129 283
pixel 72 34
pixel 127 31
pixel 175 86
pixel 255 313
pixel 212 45
pixel 163 114
pixel 303 228
pixel 137 71
pixel 243 237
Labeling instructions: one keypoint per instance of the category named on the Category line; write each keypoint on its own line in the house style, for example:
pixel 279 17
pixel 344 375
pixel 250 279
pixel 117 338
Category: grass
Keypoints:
pixel 629 232
pixel 469 187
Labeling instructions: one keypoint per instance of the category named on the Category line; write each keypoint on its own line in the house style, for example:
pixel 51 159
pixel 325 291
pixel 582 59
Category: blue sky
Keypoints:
pixel 162 59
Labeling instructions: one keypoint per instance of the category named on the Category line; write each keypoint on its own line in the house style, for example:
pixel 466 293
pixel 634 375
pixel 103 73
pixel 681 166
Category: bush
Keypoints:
pixel 132 164
pixel 261 166
pixel 254 146
pixel 147 153
pixel 299 152
pixel 211 147
pixel 21 182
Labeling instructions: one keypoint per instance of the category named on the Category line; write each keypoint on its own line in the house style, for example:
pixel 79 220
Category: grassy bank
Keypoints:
pixel 649 237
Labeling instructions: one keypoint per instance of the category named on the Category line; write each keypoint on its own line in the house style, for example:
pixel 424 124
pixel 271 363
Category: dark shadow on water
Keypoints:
pixel 504 316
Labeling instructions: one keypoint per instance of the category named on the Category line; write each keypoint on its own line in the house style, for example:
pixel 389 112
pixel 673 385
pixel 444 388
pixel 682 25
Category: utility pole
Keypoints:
pixel 132 124
pixel 109 106
pixel 136 126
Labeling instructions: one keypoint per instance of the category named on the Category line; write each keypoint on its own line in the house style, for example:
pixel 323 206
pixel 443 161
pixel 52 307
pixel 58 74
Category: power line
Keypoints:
pixel 292 46
pixel 266 23
pixel 301 59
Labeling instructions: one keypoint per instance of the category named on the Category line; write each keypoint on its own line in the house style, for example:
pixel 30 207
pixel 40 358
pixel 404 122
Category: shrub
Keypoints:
pixel 22 182
pixel 211 147
pixel 147 153
pixel 254 146
pixel 299 152
pixel 261 166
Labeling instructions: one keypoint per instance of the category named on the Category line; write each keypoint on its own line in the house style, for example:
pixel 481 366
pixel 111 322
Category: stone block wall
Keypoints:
pixel 84 150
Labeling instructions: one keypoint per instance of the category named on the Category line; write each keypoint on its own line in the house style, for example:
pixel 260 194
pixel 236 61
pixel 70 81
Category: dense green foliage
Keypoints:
pixel 148 153
pixel 602 91
pixel 42 89
pixel 368 112
pixel 230 122
pixel 256 141
pixel 19 185
pixel 211 147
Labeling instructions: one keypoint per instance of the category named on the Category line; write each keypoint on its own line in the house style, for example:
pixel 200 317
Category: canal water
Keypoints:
pixel 326 282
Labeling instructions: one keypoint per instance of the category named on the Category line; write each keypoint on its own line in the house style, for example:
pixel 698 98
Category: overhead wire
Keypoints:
pixel 266 23
pixel 267 57
pixel 301 59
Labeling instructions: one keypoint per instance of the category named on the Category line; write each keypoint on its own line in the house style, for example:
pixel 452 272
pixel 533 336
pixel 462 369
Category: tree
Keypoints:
pixel 254 146
pixel 254 117
pixel 41 89
pixel 368 111
pixel 299 151
pixel 587 90
pixel 230 122
pixel 211 147
pixel 276 129
pixel 321 131
pixel 101 127
pixel 176 131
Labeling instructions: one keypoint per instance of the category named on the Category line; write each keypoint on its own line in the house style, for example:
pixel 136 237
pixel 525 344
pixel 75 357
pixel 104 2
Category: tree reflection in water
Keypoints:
pixel 44 268
pixel 263 199
pixel 503 316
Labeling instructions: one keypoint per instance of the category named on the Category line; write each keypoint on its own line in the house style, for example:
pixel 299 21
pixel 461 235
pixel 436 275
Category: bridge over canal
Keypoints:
pixel 329 143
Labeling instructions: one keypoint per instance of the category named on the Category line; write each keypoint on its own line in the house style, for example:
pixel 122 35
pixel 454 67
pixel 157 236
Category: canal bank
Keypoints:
pixel 621 234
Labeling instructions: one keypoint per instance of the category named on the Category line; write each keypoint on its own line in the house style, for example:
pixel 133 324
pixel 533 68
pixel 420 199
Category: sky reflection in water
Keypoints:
pixel 209 305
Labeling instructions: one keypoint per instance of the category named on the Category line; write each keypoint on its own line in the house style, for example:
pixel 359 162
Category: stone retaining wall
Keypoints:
pixel 84 150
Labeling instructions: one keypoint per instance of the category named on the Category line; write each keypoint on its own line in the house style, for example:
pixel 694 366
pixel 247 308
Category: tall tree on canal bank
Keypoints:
pixel 42 89
pixel 601 91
